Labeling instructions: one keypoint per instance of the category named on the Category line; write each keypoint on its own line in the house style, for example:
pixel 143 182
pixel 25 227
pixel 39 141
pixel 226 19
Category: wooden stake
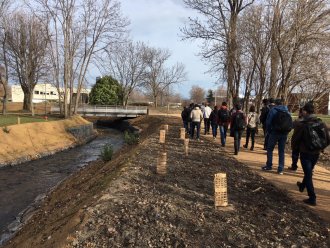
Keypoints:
pixel 166 128
pixel 220 190
pixel 162 137
pixel 161 163
pixel 183 133
pixel 18 120
pixel 186 149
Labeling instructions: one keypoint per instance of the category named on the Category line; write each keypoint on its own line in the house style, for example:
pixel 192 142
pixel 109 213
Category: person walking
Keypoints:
pixel 312 136
pixel 279 124
pixel 270 106
pixel 263 118
pixel 295 152
pixel 223 120
pixel 206 115
pixel 184 117
pixel 237 124
pixel 213 120
pixel 252 125
pixel 196 116
pixel 188 112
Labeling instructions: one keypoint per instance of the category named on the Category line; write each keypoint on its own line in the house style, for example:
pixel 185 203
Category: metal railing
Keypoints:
pixel 106 110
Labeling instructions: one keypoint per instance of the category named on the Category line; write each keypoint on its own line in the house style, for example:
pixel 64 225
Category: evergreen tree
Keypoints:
pixel 210 98
pixel 106 91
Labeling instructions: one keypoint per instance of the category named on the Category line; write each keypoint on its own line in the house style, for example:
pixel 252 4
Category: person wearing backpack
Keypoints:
pixel 295 152
pixel 263 118
pixel 213 120
pixel 184 117
pixel 238 123
pixel 279 124
pixel 252 125
pixel 223 118
pixel 188 111
pixel 312 136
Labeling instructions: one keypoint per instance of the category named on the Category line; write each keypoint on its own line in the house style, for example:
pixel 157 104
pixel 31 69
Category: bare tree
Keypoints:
pixel 218 30
pixel 127 62
pixel 78 29
pixel 303 29
pixel 197 94
pixel 4 6
pixel 158 76
pixel 26 45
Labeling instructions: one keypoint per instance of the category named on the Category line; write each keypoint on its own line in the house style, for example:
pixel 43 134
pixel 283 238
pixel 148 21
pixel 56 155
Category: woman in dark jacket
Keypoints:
pixel 214 124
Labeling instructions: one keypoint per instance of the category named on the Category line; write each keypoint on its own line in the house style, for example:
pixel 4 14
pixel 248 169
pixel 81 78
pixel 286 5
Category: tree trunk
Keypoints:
pixel 275 60
pixel 31 99
pixel 274 55
pixel 5 99
pixel 27 100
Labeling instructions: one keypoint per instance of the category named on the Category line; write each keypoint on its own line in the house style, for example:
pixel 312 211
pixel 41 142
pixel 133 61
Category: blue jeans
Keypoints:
pixel 266 135
pixel 308 161
pixel 207 124
pixel 223 134
pixel 193 125
pixel 189 127
pixel 273 139
pixel 215 130
pixel 295 157
pixel 185 125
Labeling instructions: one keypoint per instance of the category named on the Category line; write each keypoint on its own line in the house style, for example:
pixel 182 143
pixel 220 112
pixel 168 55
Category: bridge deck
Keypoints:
pixel 111 111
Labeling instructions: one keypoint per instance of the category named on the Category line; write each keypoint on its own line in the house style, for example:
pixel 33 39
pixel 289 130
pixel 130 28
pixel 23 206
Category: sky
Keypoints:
pixel 157 23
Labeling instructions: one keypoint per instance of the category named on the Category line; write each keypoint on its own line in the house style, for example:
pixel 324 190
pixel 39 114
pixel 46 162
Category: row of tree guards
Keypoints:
pixel 220 179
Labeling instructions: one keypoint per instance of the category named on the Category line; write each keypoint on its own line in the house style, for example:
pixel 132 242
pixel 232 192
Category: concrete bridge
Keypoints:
pixel 106 110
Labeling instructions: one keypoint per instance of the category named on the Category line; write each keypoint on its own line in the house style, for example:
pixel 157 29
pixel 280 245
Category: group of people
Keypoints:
pixel 310 136
pixel 223 118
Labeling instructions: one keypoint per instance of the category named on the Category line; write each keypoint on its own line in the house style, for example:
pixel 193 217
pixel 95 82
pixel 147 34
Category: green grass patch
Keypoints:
pixel 8 120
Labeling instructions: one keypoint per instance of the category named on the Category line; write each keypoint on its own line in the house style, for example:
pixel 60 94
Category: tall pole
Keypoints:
pixel 45 99
pixel 215 99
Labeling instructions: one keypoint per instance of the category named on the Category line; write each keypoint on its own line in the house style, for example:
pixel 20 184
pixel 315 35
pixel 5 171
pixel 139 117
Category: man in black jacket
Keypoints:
pixel 187 113
pixel 263 118
pixel 308 158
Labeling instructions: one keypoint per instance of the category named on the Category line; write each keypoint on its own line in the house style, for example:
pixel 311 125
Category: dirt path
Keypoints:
pixel 257 159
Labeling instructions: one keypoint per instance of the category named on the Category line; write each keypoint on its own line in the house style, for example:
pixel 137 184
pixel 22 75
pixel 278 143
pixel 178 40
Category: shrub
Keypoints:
pixel 132 138
pixel 107 152
pixel 5 129
pixel 107 91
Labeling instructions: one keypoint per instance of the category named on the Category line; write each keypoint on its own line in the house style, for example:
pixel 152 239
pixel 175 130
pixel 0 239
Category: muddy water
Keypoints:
pixel 20 185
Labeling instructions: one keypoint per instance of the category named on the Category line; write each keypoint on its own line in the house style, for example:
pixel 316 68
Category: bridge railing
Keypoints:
pixel 107 110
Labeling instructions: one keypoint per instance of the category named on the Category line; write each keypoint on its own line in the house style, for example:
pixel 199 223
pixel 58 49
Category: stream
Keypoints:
pixel 21 184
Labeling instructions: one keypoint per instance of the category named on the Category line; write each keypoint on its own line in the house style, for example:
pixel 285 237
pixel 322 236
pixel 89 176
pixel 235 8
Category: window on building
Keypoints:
pixel 47 93
pixel 36 92
pixel 52 92
pixel 41 93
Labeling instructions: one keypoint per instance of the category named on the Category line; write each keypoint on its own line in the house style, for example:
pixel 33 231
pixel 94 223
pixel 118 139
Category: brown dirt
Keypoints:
pixel 62 212
pixel 142 209
pixel 34 138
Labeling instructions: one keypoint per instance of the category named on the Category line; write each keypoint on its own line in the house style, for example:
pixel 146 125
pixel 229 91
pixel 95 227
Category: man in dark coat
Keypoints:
pixel 308 158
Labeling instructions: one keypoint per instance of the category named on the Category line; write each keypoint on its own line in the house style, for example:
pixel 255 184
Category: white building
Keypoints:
pixel 47 92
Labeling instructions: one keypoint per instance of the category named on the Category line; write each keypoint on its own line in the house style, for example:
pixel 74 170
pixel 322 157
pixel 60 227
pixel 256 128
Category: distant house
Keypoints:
pixel 297 100
pixel 46 92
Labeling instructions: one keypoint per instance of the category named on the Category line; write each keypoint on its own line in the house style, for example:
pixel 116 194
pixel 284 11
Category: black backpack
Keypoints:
pixel 315 136
pixel 282 121
pixel 224 115
pixel 184 115
pixel 239 122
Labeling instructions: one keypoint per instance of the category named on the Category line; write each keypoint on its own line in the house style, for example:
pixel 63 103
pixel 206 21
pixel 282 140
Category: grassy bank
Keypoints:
pixel 8 120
